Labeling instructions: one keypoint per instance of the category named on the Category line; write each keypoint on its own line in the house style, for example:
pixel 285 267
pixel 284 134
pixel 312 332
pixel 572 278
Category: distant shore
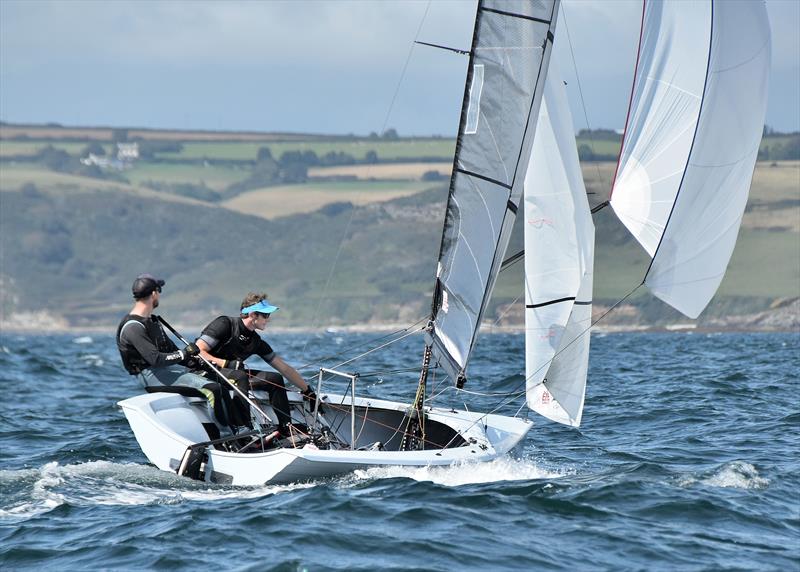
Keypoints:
pixel 7 328
pixel 784 316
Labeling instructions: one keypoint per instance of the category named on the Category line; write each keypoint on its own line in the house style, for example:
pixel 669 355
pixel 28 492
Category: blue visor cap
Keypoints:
pixel 263 307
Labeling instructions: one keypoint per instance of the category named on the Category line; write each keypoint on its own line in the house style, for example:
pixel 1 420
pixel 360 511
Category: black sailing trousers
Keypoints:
pixel 270 381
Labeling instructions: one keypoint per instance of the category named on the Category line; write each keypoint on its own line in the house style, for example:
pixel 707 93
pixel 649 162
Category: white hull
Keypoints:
pixel 165 425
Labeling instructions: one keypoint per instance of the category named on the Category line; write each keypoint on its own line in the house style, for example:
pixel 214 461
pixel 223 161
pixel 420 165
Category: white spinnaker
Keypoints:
pixel 559 251
pixel 696 118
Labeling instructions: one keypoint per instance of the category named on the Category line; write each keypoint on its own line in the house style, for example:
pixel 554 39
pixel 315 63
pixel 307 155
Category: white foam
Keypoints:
pixel 116 484
pixel 466 473
pixel 92 359
pixel 242 493
pixel 737 475
pixel 83 340
pixel 41 498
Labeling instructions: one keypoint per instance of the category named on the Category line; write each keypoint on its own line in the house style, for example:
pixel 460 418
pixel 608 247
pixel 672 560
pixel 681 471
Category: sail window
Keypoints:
pixel 473 111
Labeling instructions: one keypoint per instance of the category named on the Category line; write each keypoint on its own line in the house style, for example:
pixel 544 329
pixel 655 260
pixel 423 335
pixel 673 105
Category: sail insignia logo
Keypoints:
pixel 540 222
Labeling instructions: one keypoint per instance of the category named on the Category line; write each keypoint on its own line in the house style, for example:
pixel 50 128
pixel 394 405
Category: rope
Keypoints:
pixel 397 430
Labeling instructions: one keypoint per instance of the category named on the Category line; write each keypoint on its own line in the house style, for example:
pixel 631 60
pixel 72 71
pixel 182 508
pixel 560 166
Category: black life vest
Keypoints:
pixel 131 359
pixel 241 344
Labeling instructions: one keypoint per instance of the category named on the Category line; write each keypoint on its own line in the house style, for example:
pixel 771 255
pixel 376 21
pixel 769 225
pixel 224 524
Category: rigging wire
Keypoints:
pixel 507 310
pixel 580 90
pixel 516 391
pixel 361 344
pixel 387 372
pixel 514 394
pixel 352 211
pixel 411 333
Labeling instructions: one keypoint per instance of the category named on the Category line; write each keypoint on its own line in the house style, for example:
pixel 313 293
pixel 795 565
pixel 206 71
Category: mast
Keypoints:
pixel 414 434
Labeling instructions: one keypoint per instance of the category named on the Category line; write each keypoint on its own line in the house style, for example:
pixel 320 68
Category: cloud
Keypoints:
pixel 294 65
pixel 239 34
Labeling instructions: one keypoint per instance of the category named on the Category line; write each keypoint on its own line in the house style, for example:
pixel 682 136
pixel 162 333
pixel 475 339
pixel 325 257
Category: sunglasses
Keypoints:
pixel 261 315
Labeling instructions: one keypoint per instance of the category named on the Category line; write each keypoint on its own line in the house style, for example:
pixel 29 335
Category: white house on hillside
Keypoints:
pixel 127 151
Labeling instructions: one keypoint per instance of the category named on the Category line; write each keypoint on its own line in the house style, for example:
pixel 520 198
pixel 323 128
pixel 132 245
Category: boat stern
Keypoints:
pixel 165 424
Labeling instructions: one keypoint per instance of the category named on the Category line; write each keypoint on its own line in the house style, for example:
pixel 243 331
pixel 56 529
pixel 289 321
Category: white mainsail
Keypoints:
pixel 692 136
pixel 559 253
pixel 508 65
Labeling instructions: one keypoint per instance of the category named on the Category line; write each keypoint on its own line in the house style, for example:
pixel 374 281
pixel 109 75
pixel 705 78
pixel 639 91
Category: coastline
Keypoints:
pixel 783 317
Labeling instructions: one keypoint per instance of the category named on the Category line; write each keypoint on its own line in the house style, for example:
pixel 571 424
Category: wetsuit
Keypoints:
pixel 149 354
pixel 229 339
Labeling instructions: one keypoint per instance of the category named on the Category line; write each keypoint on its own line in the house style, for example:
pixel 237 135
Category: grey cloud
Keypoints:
pixel 183 58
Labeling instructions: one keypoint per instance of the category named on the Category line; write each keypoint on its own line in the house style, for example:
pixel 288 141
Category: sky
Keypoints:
pixel 319 66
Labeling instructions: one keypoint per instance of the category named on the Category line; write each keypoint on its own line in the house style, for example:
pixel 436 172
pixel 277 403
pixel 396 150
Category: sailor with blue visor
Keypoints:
pixel 229 340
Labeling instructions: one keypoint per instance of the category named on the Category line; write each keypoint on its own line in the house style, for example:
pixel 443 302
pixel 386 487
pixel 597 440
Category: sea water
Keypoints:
pixel 687 458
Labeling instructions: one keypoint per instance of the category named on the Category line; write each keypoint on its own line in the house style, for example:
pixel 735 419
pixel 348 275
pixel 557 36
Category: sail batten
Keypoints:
pixel 559 246
pixel 511 49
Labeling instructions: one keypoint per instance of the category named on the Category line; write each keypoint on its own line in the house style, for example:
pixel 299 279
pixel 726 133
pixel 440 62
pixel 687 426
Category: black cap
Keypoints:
pixel 146 284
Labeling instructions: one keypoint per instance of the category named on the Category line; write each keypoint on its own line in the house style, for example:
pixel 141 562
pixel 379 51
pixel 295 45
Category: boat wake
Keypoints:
pixel 465 473
pixel 32 492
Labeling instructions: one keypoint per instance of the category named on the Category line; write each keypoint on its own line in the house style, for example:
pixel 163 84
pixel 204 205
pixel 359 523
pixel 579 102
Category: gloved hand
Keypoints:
pixel 312 399
pixel 234 364
pixel 191 349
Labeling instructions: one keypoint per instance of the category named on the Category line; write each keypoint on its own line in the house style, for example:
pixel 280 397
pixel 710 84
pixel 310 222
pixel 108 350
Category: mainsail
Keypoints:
pixel 507 68
pixel 559 247
pixel 691 141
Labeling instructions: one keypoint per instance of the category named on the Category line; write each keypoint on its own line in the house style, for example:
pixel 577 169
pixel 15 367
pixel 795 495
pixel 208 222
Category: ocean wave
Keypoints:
pixel 92 360
pixel 33 492
pixel 29 492
pixel 736 474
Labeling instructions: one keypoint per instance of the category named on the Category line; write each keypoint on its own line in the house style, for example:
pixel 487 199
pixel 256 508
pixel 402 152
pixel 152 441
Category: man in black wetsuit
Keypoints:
pixel 229 340
pixel 149 354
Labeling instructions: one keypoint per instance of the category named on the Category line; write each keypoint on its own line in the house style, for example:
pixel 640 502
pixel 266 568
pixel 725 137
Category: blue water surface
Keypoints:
pixel 687 458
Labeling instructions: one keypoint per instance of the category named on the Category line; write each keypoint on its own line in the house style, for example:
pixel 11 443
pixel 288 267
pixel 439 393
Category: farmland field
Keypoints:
pixel 274 202
pixel 404 148
pixel 383 171
pixel 216 177
pixel 13 177
pixel 599 146
pixel 13 148
pixel 764 263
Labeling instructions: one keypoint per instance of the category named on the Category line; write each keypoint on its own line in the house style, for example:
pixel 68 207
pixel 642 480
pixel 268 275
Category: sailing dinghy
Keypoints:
pixel 694 125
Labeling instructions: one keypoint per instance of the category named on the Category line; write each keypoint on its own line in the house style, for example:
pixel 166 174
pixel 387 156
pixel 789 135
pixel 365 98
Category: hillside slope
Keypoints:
pixel 72 253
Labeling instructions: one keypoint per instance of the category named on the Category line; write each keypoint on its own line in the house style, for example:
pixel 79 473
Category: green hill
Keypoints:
pixel 73 238
pixel 74 254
